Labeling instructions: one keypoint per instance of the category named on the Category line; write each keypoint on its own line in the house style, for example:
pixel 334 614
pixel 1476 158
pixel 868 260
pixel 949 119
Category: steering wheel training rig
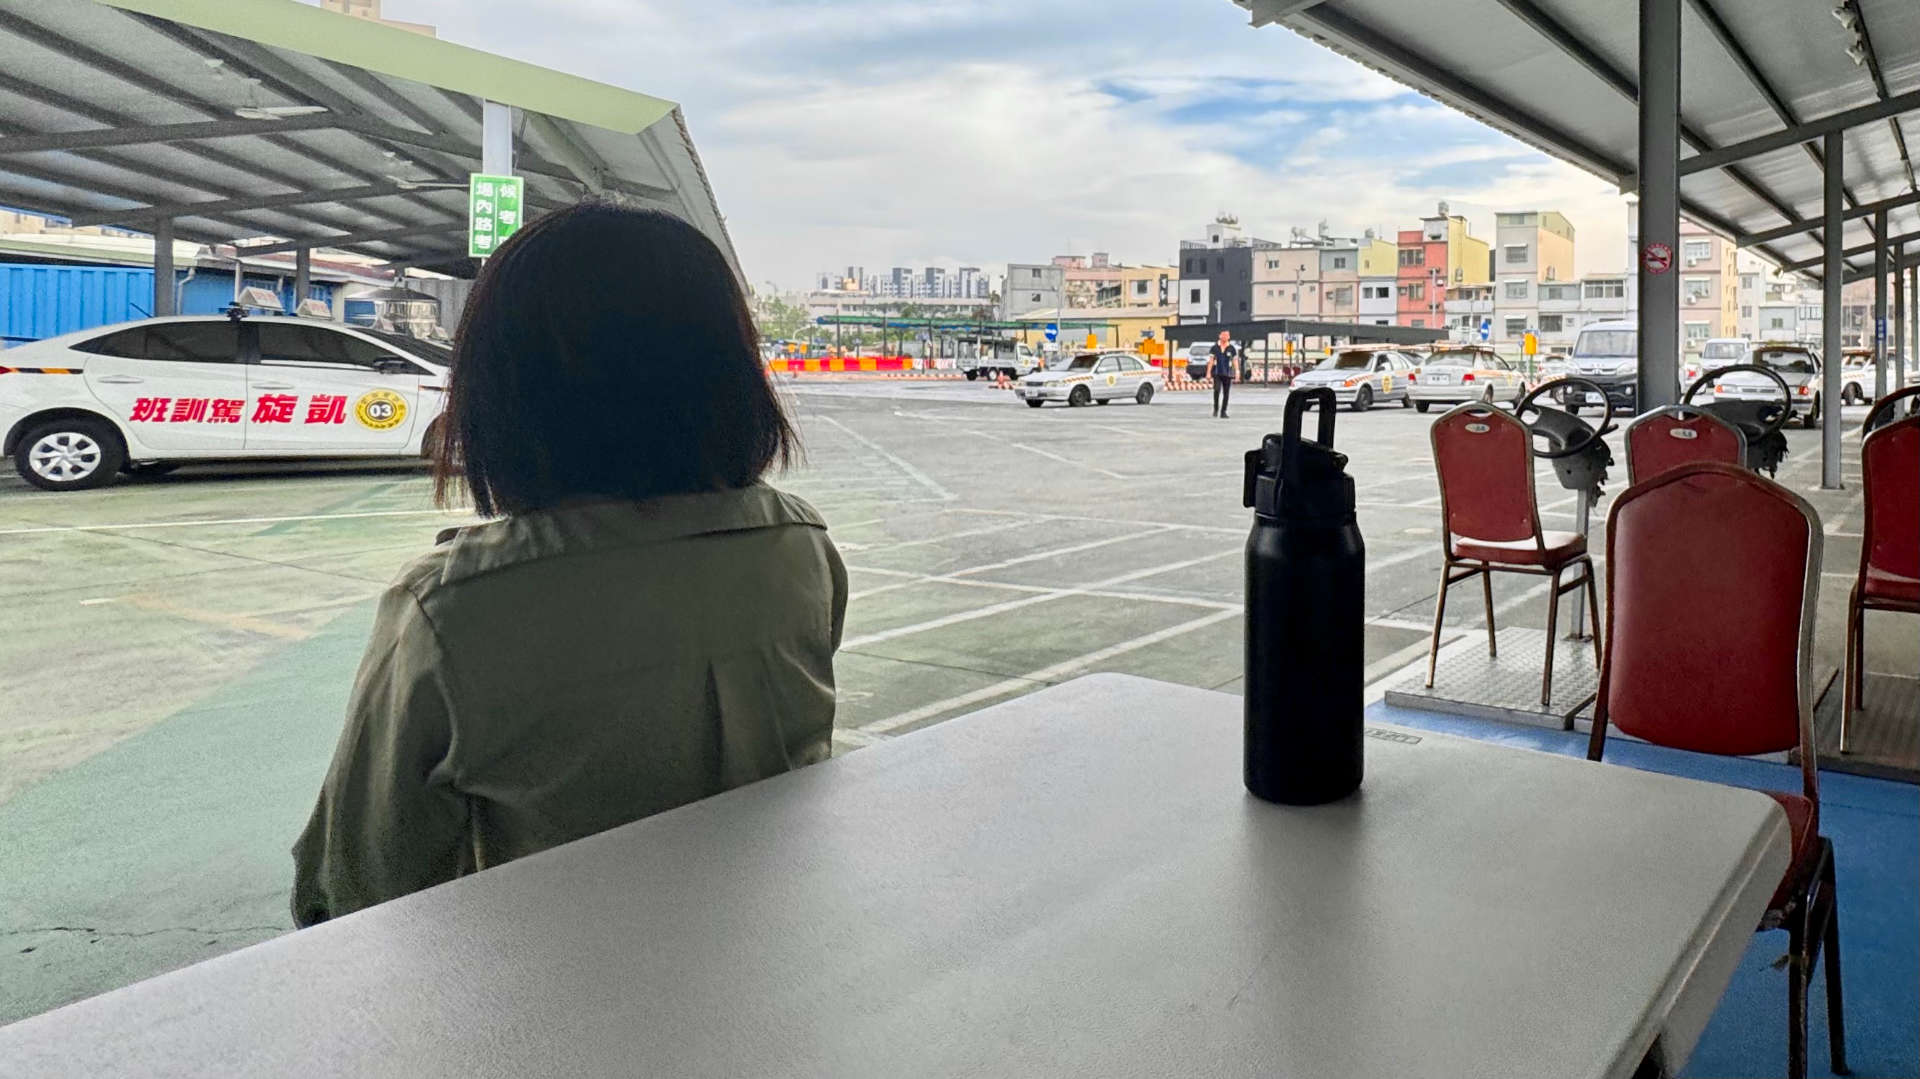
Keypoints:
pixel 1762 422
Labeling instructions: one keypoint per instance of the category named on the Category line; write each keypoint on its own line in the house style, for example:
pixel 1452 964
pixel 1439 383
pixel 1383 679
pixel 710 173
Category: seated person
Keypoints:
pixel 644 623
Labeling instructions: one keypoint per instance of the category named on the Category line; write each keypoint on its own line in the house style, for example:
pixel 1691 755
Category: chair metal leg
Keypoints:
pixel 1836 1021
pixel 1553 616
pixel 1486 590
pixel 1855 674
pixel 1593 612
pixel 1797 976
pixel 1439 614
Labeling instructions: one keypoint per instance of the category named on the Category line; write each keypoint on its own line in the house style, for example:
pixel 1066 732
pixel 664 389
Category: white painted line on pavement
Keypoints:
pixel 235 521
pixel 913 473
pixel 1031 679
pixel 888 545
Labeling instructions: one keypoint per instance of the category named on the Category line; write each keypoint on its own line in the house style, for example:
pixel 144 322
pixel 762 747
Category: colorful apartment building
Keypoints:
pixel 1439 255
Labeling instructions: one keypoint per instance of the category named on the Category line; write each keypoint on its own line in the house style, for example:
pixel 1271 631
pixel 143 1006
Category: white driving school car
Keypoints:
pixel 142 396
pixel 1090 377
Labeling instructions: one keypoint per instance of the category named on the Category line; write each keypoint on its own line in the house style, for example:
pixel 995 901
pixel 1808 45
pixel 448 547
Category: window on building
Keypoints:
pixel 1273 264
pixel 1776 322
pixel 1515 290
pixel 1035 273
pixel 1416 290
pixel 1513 219
pixel 1339 262
pixel 1413 256
pixel 1749 281
pixel 1604 290
pixel 1243 306
pixel 1696 289
pixel 1549 323
pixel 1341 295
pixel 1746 312
pixel 1418 324
pixel 1036 298
pixel 1193 295
pixel 1697 250
pixel 1696 333
pixel 1516 327
pixel 1516 253
pixel 1140 288
pixel 1559 292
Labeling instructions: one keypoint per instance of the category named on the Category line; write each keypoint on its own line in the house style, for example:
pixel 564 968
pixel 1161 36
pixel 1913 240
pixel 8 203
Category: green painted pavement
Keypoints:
pixel 172 846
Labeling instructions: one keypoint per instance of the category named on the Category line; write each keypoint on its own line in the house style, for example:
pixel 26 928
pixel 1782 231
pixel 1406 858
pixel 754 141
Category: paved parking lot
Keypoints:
pixel 182 645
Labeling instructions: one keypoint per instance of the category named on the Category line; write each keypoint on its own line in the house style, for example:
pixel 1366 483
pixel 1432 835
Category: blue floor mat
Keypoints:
pixel 1875 828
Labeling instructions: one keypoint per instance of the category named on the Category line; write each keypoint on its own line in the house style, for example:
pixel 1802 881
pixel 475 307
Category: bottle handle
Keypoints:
pixel 1297 402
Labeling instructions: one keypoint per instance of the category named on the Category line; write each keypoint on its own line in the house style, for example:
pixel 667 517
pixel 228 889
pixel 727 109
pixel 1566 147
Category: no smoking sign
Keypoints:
pixel 1657 258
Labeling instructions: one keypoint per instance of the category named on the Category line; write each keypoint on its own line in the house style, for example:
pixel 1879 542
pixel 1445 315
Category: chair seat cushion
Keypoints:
pixel 1884 587
pixel 1799 810
pixel 1559 548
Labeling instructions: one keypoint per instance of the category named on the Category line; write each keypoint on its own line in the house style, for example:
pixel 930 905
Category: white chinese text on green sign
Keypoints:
pixel 494 211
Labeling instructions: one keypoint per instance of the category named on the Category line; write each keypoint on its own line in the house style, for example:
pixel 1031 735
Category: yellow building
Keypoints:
pixel 1378 258
pixel 370 9
pixel 1554 248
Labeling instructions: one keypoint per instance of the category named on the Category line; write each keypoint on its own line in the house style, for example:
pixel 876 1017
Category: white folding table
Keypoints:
pixel 1072 883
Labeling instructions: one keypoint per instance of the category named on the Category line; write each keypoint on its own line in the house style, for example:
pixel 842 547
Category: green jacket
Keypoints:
pixel 544 677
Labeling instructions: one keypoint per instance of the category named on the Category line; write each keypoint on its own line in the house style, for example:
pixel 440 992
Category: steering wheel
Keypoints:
pixel 1756 419
pixel 1555 425
pixel 1884 413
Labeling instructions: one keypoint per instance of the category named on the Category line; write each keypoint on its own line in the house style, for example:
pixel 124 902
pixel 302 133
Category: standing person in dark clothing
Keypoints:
pixel 1224 358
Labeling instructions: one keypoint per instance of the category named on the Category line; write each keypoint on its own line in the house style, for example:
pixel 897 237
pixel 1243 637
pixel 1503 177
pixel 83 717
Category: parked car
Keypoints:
pixel 1716 353
pixel 1360 376
pixel 1797 365
pixel 1857 374
pixel 1093 378
pixel 1607 353
pixel 1451 376
pixel 79 409
pixel 1015 361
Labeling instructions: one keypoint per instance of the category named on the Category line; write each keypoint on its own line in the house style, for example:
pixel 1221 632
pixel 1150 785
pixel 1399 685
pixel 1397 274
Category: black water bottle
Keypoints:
pixel 1306 587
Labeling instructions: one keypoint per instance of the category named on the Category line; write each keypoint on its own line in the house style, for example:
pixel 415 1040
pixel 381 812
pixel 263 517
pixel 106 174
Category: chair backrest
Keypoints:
pixel 1485 462
pixel 1890 474
pixel 1712 571
pixel 1675 435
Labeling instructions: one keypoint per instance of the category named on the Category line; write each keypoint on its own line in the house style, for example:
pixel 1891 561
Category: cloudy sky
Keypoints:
pixel 884 132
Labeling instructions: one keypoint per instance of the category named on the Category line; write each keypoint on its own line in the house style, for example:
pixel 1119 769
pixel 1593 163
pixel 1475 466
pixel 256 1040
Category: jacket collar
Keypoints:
pixel 585 526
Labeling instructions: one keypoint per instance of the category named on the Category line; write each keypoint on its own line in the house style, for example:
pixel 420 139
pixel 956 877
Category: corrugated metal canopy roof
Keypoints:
pixel 1561 75
pixel 275 118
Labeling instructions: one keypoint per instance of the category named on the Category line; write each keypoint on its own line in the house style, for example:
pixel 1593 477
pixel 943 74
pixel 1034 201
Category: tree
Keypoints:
pixel 778 318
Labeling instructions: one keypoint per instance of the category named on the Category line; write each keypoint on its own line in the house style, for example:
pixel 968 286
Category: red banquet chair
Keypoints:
pixel 1889 577
pixel 1490 523
pixel 1680 435
pixel 1727 563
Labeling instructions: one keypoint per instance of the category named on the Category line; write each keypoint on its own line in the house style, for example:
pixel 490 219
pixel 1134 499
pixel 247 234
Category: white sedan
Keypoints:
pixel 1092 377
pixel 77 410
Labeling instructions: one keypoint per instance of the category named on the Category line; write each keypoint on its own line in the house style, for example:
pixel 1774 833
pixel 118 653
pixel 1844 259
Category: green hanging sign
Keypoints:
pixel 494 211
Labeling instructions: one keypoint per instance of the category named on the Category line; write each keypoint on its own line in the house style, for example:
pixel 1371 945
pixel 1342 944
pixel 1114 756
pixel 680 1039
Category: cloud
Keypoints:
pixel 883 133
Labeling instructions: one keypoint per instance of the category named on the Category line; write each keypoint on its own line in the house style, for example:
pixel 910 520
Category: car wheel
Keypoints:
pixel 70 455
pixel 1079 397
pixel 1423 405
pixel 1364 399
pixel 972 375
pixel 1850 396
pixel 1035 404
pixel 1104 401
pixel 1143 395
pixel 1812 418
pixel 1406 400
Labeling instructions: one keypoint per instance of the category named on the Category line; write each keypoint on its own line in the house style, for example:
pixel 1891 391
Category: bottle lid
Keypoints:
pixel 1300 480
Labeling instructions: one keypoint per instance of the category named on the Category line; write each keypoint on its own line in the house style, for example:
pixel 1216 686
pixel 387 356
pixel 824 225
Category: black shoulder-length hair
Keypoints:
pixel 606 352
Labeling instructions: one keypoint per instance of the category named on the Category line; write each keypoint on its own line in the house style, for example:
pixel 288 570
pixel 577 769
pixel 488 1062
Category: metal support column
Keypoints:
pixel 1880 271
pixel 496 138
pixel 1899 322
pixel 302 275
pixel 1659 378
pixel 1913 308
pixel 163 286
pixel 1835 266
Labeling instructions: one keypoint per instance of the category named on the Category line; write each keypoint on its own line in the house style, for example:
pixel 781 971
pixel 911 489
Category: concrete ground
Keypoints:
pixel 183 644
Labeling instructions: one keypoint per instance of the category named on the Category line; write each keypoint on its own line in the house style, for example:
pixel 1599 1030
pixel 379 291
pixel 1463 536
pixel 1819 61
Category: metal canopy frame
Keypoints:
pixel 215 122
pixel 1843 77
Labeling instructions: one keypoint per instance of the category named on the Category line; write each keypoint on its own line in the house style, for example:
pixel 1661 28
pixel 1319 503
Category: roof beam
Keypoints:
pixel 527 164
pixel 1866 209
pixel 1583 54
pixel 1264 12
pixel 137 135
pixel 1498 113
pixel 1747 65
pixel 353 239
pixel 1838 121
pixel 577 157
pixel 1862 249
pixel 148 214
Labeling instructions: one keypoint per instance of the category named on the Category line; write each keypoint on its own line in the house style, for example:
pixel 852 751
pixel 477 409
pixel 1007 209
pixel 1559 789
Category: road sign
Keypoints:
pixel 1529 343
pixel 1880 331
pixel 1053 331
pixel 494 205
pixel 1658 258
pixel 1486 329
